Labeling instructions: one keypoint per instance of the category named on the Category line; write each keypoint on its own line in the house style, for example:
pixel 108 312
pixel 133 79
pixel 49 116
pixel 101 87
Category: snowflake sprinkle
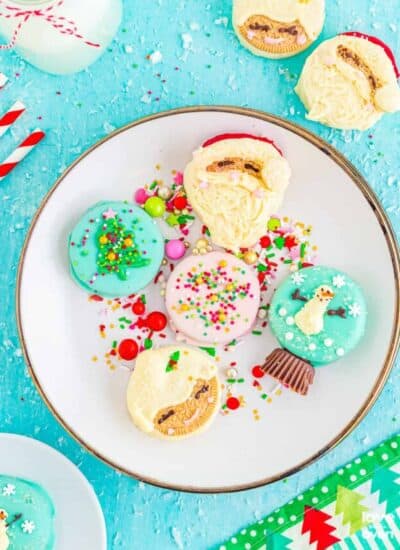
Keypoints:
pixel 8 490
pixel 297 278
pixel 28 527
pixel 355 310
pixel 338 281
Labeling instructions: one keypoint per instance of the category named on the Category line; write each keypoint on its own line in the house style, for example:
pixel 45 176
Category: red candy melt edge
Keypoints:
pixel 222 137
pixel 378 42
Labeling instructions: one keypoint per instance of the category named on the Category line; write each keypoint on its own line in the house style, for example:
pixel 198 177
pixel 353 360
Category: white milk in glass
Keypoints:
pixel 46 47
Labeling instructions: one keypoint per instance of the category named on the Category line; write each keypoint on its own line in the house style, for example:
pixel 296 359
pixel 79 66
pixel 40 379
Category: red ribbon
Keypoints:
pixel 58 22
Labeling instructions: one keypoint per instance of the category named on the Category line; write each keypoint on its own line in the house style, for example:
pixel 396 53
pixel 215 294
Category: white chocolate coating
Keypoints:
pixel 236 206
pixel 310 14
pixel 4 541
pixel 339 94
pixel 151 388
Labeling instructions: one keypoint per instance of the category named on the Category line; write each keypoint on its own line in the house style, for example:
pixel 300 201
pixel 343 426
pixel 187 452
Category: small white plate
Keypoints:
pixel 58 326
pixel 79 521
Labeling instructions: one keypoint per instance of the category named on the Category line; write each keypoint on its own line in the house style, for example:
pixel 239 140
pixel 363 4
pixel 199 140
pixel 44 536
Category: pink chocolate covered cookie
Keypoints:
pixel 213 298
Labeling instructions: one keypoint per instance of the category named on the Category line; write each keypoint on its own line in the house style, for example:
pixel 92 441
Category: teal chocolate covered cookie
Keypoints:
pixel 26 516
pixel 318 315
pixel 115 250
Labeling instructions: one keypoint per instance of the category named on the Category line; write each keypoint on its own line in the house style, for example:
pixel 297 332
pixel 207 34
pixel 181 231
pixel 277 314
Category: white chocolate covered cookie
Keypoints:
pixel 278 28
pixel 174 392
pixel 234 183
pixel 350 82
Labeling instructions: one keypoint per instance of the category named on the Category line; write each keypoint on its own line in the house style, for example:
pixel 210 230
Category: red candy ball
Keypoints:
pixel 265 242
pixel 128 349
pixel 233 403
pixel 138 308
pixel 257 372
pixel 156 321
pixel 179 203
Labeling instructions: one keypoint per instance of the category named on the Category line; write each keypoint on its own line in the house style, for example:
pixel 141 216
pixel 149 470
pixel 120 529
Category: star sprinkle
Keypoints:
pixel 338 281
pixel 28 527
pixel 8 490
pixel 109 214
pixel 297 278
pixel 355 310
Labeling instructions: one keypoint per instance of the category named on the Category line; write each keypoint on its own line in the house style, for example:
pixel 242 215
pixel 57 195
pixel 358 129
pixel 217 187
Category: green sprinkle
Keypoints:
pixel 256 332
pixel 114 344
pixel 210 351
pixel 124 320
pixel 303 250
pixel 143 298
pixel 241 380
pixel 279 242
pixel 271 255
pixel 264 396
pixel 148 344
pixel 261 267
pixel 184 218
pixel 232 381
pixel 233 343
pixel 175 356
pixel 169 368
pixel 153 185
pixel 224 406
pixel 288 261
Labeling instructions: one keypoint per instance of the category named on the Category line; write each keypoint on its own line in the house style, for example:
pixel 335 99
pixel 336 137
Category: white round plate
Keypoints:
pixel 57 322
pixel 79 521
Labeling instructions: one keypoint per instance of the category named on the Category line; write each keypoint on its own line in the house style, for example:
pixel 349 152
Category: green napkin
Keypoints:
pixel 356 508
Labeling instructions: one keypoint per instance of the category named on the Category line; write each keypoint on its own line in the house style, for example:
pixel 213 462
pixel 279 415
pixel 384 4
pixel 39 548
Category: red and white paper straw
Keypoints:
pixel 20 152
pixel 3 80
pixel 7 120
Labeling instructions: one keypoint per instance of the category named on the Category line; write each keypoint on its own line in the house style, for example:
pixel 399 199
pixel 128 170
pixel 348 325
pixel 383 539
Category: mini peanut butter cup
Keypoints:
pixel 290 370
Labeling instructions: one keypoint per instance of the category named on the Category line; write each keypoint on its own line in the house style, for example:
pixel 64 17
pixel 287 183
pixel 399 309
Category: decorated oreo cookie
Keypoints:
pixel 234 183
pixel 115 250
pixel 26 515
pixel 173 392
pixel 318 315
pixel 213 298
pixel 278 28
pixel 350 82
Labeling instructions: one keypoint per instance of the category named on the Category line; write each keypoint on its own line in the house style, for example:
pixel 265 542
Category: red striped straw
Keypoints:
pixel 3 80
pixel 20 152
pixel 11 116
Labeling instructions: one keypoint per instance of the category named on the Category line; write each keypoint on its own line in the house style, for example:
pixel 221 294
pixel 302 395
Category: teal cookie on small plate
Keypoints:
pixel 318 315
pixel 115 250
pixel 27 512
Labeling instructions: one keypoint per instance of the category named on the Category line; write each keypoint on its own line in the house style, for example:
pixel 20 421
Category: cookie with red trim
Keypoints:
pixel 278 28
pixel 350 82
pixel 234 183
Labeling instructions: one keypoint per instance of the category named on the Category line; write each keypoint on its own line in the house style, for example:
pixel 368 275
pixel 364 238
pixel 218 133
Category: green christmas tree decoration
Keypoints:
pixel 316 523
pixel 384 481
pixel 117 249
pixel 348 504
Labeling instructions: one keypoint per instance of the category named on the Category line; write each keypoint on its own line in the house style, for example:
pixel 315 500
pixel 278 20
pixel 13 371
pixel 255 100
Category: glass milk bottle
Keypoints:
pixel 59 36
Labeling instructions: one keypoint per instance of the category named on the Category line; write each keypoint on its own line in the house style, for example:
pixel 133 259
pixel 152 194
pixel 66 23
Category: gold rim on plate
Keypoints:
pixel 384 223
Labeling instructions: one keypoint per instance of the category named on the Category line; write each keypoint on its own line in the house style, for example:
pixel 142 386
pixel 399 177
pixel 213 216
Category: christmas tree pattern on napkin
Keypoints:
pixel 357 507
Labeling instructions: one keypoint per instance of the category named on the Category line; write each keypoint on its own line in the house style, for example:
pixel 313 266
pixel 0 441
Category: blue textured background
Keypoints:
pixel 75 112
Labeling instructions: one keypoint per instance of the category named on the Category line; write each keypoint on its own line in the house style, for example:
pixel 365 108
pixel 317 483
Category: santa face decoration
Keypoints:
pixel 278 28
pixel 350 82
pixel 234 183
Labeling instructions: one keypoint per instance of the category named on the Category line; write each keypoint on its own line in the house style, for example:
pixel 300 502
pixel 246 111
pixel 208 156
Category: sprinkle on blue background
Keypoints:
pixel 202 63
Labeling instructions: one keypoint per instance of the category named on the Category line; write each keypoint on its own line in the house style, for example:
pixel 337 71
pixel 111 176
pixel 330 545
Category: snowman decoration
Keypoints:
pixel 318 315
